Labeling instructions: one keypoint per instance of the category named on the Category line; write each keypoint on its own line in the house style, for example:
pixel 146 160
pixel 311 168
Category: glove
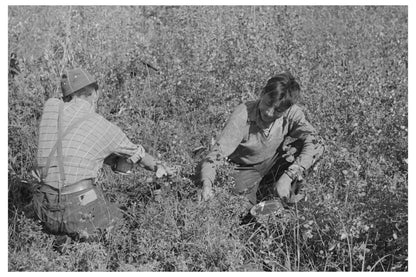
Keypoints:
pixel 163 170
pixel 283 186
pixel 206 192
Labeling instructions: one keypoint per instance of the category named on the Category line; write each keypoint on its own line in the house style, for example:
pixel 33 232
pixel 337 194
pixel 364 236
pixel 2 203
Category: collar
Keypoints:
pixel 81 104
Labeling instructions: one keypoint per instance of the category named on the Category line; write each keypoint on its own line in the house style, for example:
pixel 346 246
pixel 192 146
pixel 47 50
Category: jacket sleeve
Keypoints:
pixel 228 141
pixel 313 146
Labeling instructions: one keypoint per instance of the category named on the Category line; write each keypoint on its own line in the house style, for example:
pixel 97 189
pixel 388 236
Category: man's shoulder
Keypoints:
pixel 95 117
pixel 101 122
pixel 51 102
pixel 51 107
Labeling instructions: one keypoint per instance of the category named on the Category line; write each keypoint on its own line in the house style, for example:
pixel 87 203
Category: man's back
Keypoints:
pixel 86 145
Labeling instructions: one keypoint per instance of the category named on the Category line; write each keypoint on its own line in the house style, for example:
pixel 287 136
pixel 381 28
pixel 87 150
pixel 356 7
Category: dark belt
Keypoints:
pixel 74 188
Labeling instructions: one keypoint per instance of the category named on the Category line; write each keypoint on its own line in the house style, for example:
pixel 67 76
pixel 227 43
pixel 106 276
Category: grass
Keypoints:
pixel 352 63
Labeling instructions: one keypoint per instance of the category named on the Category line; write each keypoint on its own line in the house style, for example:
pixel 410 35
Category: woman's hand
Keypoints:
pixel 283 185
pixel 206 192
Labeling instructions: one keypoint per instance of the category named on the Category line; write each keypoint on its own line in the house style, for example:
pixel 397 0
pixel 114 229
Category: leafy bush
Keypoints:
pixel 169 77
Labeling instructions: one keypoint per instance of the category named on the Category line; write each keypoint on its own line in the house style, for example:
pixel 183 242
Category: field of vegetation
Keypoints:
pixel 170 76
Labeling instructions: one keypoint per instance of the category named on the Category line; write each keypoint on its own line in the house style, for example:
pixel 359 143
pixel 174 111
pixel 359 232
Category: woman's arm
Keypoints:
pixel 228 141
pixel 312 149
pixel 313 146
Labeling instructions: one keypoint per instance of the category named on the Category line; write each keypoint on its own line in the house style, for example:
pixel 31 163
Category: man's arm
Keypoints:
pixel 125 155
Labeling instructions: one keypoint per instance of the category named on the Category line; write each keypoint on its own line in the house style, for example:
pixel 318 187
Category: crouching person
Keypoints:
pixel 253 139
pixel 74 142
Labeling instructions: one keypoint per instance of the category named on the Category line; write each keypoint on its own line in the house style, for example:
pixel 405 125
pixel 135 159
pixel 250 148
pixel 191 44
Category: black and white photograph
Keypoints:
pixel 255 137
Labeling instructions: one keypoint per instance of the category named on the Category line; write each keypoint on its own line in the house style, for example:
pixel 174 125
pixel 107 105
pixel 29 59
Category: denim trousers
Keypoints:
pixel 79 214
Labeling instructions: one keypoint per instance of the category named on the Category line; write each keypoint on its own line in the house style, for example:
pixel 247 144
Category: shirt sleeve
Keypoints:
pixel 228 141
pixel 122 146
pixel 313 146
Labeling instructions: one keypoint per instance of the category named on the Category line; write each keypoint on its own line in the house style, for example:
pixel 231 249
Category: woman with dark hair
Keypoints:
pixel 255 140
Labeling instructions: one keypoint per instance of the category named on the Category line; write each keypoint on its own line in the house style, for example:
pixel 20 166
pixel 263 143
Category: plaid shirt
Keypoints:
pixel 244 142
pixel 85 147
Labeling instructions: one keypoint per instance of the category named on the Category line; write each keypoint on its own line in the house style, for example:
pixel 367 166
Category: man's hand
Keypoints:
pixel 283 185
pixel 206 192
pixel 164 170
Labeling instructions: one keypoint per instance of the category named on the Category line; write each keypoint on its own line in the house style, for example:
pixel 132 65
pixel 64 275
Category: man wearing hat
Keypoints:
pixel 74 142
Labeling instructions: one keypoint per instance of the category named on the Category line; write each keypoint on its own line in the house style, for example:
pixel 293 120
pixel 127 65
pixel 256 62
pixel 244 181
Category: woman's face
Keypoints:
pixel 270 110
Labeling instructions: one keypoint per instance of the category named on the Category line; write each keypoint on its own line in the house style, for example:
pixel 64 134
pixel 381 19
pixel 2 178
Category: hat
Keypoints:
pixel 76 79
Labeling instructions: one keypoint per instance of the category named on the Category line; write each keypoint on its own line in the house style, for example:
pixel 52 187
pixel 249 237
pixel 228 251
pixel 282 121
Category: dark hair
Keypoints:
pixel 85 91
pixel 283 88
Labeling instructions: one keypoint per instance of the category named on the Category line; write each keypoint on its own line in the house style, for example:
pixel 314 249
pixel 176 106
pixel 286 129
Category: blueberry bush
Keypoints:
pixel 170 77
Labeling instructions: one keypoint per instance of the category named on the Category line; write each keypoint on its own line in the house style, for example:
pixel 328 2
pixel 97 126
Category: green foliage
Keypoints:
pixel 352 65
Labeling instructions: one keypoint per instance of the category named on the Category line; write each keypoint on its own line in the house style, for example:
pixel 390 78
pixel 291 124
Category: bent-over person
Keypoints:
pixel 254 141
pixel 74 142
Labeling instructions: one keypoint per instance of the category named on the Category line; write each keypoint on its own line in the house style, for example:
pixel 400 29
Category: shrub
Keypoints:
pixel 170 76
